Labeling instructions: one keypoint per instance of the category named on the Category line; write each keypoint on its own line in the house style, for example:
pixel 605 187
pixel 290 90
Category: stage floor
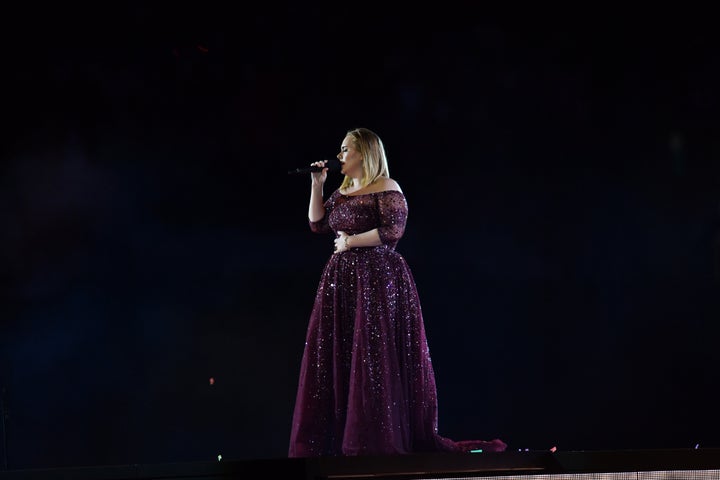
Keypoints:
pixel 692 464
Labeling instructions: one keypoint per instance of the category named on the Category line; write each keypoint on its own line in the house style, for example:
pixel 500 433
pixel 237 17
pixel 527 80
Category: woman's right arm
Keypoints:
pixel 316 209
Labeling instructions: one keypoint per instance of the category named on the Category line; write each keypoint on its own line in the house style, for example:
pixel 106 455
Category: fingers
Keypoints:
pixel 319 177
pixel 339 242
pixel 321 163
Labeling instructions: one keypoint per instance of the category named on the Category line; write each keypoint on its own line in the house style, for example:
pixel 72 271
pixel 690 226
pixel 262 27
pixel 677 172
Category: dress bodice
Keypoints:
pixel 385 210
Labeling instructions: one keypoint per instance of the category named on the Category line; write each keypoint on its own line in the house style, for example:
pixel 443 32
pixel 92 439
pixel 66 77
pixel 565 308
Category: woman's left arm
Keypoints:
pixel 392 210
pixel 371 238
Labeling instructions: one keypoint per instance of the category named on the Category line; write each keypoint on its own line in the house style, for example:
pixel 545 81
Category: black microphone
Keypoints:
pixel 333 165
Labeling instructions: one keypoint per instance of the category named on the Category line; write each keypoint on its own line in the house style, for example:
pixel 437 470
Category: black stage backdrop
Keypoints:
pixel 158 271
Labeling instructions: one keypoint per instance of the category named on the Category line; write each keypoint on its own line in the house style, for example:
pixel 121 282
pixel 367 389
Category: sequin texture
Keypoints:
pixel 366 384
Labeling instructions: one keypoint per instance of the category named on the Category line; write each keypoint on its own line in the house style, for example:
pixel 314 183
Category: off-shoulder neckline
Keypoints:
pixel 366 193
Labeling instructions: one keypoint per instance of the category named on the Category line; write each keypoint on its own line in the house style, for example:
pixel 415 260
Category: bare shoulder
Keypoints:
pixel 385 183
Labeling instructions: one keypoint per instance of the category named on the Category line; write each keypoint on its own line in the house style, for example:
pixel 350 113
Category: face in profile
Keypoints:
pixel 350 158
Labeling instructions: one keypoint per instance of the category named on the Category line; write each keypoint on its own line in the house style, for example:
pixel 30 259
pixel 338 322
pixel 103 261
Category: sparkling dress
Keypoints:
pixel 367 385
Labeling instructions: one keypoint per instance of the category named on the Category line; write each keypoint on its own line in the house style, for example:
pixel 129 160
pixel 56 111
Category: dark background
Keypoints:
pixel 562 179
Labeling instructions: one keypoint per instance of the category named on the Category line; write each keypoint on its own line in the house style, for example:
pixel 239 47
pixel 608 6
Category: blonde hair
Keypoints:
pixel 374 160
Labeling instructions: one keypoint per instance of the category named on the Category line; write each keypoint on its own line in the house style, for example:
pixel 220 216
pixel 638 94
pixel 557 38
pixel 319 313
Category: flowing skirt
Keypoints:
pixel 367 385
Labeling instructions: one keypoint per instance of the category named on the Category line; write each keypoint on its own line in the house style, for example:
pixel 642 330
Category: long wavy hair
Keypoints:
pixel 374 160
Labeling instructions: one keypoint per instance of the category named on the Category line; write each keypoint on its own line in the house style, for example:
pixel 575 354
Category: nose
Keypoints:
pixel 339 156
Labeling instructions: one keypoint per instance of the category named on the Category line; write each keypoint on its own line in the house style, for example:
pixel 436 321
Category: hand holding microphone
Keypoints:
pixel 318 172
pixel 332 165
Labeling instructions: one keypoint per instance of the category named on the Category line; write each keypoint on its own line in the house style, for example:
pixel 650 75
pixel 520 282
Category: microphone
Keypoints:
pixel 333 165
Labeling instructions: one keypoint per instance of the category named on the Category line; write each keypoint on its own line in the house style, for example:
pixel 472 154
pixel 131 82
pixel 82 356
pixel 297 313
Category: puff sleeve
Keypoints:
pixel 392 211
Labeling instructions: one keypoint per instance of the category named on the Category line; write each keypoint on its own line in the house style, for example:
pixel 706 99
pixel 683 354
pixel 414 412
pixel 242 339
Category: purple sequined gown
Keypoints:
pixel 367 385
